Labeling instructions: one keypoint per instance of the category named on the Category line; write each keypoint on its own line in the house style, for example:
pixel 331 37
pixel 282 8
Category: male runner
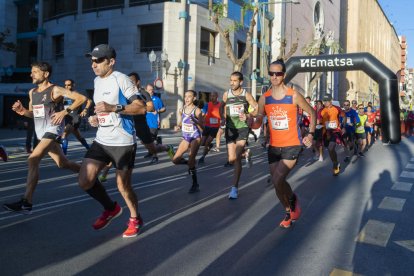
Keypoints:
pixel 349 135
pixel 46 107
pixel 115 98
pixel 212 124
pixel 234 113
pixel 361 135
pixel 281 105
pixel 73 120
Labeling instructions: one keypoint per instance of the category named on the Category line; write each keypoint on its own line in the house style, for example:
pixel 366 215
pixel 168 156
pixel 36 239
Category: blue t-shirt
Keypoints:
pixel 152 119
pixel 352 119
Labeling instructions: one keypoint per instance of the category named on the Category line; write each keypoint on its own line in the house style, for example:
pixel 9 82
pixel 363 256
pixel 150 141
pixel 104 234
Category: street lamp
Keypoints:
pixel 158 61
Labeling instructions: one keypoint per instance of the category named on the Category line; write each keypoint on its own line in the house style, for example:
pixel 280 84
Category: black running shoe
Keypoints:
pixel 227 165
pixel 21 206
pixel 154 160
pixel 194 189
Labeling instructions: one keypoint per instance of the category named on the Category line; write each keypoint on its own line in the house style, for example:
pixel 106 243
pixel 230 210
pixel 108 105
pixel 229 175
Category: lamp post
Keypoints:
pixel 158 61
pixel 262 13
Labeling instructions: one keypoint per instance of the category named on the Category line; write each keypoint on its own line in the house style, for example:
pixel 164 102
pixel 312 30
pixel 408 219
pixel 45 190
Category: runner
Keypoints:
pixel 153 117
pixel 73 119
pixel 369 129
pixel 360 130
pixel 115 98
pixel 377 127
pixel 212 125
pixel 352 120
pixel 192 124
pixel 332 130
pixel 234 114
pixel 318 138
pixel 46 107
pixel 281 103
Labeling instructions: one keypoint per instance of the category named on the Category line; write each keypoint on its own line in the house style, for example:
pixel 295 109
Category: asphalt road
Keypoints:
pixel 360 222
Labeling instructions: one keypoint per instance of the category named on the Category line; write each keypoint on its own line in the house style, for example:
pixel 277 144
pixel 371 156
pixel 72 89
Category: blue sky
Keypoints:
pixel 400 13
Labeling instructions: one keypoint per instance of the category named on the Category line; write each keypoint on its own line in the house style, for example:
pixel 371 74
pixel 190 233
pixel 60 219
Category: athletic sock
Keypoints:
pixel 99 193
pixel 84 143
pixel 65 144
pixel 193 173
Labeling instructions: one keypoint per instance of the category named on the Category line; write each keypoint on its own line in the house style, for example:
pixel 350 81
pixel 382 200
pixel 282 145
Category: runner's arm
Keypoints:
pixel 302 103
pixel 21 110
pixel 222 109
pixel 60 92
pixel 252 102
pixel 258 118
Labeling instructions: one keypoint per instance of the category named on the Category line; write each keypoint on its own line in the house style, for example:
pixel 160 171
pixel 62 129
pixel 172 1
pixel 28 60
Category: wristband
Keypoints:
pixel 68 110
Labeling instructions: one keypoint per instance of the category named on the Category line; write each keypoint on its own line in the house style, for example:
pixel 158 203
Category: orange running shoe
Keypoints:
pixel 286 222
pixel 134 225
pixel 106 217
pixel 296 211
pixel 337 169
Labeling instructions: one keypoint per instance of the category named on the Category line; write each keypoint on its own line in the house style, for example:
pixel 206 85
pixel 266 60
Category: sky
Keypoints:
pixel 400 13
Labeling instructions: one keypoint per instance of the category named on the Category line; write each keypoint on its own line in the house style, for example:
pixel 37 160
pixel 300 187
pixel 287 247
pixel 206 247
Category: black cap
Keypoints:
pixel 102 50
pixel 327 98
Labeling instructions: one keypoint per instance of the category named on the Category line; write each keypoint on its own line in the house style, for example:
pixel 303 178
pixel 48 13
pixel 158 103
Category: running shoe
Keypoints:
pixel 249 161
pixel 296 211
pixel 102 178
pixel 154 160
pixel 227 165
pixel 286 222
pixel 134 225
pixel 170 151
pixel 360 154
pixel 194 189
pixel 106 217
pixel 21 206
pixel 347 159
pixel 233 193
pixel 201 160
pixel 337 169
pixel 3 153
pixel 215 149
pixel 321 158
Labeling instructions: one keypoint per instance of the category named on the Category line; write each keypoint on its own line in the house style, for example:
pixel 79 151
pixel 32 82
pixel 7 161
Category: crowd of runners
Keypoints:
pixel 124 111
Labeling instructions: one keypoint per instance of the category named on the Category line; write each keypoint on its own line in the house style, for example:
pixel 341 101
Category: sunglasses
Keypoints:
pixel 98 60
pixel 277 74
pixel 346 104
pixel 361 108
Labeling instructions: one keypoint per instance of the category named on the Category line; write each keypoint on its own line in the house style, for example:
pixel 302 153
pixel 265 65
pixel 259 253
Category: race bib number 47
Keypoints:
pixel 279 123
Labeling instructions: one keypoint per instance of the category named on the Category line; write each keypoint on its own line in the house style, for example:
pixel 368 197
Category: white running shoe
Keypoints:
pixel 233 193
pixel 249 161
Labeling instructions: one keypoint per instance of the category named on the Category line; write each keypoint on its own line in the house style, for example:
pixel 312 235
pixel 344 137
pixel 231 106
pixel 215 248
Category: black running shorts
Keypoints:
pixel 122 157
pixel 210 131
pixel 236 134
pixel 143 131
pixel 275 154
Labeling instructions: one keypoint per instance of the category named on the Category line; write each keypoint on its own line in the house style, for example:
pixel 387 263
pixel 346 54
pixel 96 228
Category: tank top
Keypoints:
pixel 330 118
pixel 188 127
pixel 43 109
pixel 213 115
pixel 234 106
pixel 283 120
pixel 360 127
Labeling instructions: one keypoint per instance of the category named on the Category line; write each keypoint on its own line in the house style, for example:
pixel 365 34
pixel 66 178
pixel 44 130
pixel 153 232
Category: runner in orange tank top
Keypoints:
pixel 281 105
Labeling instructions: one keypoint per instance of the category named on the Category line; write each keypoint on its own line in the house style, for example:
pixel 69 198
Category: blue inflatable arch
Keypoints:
pixel 386 79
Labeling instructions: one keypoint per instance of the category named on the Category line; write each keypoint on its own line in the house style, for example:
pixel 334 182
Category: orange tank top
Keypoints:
pixel 283 120
pixel 213 115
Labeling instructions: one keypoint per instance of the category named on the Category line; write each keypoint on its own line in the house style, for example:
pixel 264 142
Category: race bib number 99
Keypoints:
pixel 106 119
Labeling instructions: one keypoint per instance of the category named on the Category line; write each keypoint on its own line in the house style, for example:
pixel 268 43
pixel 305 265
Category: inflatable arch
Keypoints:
pixel 386 79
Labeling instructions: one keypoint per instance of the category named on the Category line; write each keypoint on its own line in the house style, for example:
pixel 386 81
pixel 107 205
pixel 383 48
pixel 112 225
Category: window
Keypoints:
pixel 150 37
pixel 93 5
pixel 241 47
pixel 55 8
pixel 97 37
pixel 27 16
pixel 58 46
pixel 207 42
pixel 26 52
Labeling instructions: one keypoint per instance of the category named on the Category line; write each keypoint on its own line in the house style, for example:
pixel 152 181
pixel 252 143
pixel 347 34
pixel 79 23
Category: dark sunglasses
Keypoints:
pixel 346 104
pixel 277 74
pixel 361 108
pixel 98 60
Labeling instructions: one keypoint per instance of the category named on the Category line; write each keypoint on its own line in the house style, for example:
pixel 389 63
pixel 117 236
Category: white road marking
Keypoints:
pixel 392 203
pixel 407 174
pixel 402 186
pixel 408 244
pixel 376 233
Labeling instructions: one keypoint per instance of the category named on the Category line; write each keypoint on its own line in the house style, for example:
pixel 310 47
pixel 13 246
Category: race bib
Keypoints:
pixel 360 128
pixel 188 128
pixel 236 110
pixel 213 121
pixel 279 123
pixel 348 121
pixel 331 125
pixel 319 126
pixel 106 119
pixel 38 110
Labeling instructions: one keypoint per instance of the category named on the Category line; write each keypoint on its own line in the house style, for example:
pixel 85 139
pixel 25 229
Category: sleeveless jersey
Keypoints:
pixel 213 115
pixel 330 118
pixel 188 127
pixel 115 129
pixel 360 127
pixel 234 106
pixel 283 120
pixel 43 109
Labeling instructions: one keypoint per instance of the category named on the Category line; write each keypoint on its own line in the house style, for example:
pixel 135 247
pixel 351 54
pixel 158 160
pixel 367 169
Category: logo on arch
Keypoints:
pixel 330 62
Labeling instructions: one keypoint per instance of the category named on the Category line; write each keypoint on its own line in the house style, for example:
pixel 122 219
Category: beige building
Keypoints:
pixel 368 29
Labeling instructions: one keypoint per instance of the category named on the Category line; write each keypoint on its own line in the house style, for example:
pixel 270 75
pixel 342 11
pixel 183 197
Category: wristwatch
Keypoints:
pixel 119 108
pixel 68 110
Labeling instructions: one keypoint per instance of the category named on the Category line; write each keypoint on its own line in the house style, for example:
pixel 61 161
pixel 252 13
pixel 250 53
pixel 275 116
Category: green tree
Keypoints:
pixel 4 45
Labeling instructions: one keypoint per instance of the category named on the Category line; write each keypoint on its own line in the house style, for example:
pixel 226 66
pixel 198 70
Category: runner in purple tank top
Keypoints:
pixel 192 123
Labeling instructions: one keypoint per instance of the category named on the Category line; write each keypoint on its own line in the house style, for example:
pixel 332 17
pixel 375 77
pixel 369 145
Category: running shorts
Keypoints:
pixel 122 157
pixel 275 154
